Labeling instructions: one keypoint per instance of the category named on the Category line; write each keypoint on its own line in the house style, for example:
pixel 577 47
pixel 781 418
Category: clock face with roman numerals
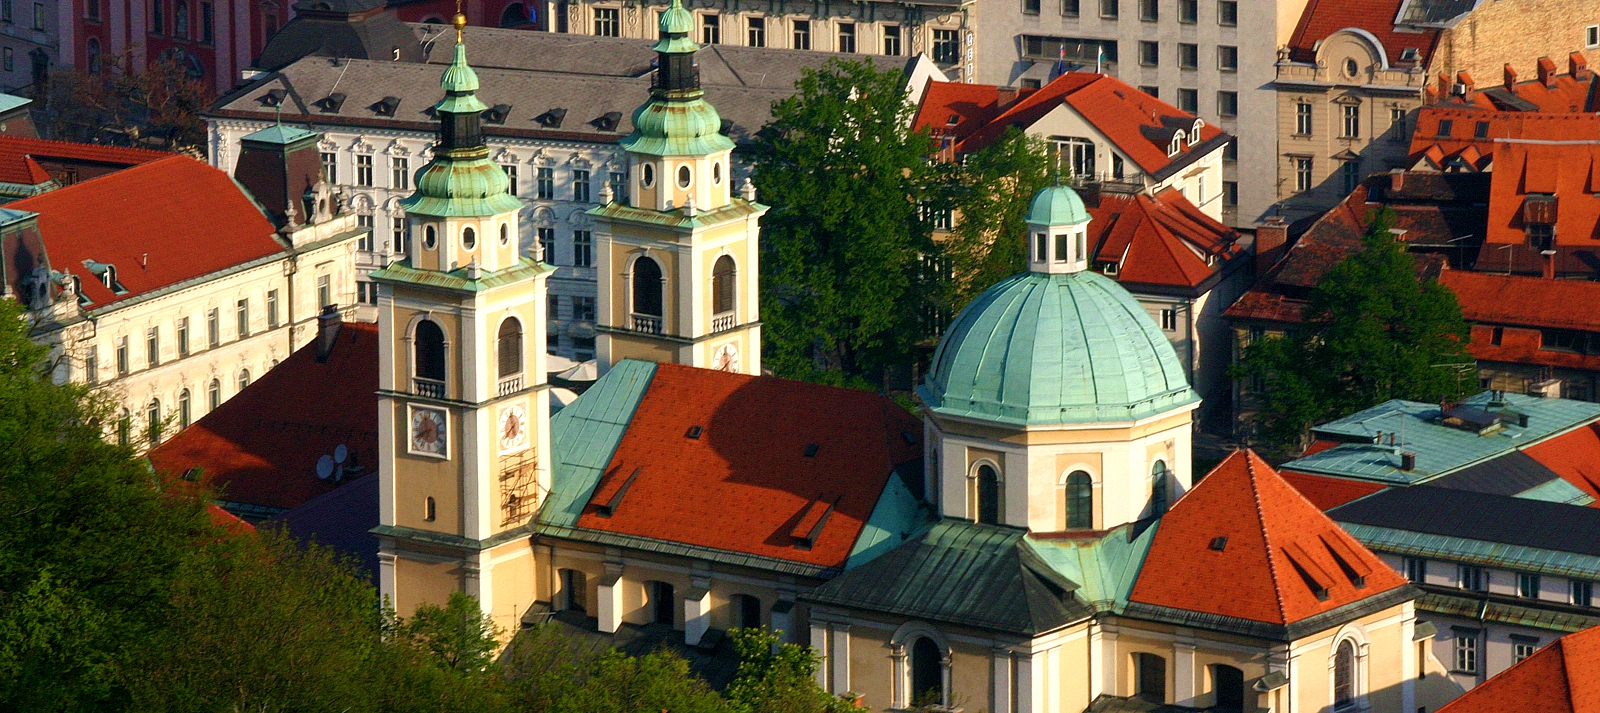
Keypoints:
pixel 513 428
pixel 430 431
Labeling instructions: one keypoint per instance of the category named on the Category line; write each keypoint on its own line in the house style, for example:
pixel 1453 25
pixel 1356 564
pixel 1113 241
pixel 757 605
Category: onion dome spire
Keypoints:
pixel 677 121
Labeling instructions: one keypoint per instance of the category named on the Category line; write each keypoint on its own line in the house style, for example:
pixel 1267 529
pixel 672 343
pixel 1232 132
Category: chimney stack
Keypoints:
pixel 328 324
pixel 1464 80
pixel 1006 97
pixel 1511 78
pixel 1547 72
pixel 277 165
pixel 1578 66
pixel 1397 179
pixel 1272 238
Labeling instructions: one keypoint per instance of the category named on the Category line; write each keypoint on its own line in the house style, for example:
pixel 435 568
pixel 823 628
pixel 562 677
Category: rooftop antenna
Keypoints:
pixel 324 467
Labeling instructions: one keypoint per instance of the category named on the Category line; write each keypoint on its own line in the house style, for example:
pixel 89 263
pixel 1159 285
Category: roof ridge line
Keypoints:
pixel 1272 562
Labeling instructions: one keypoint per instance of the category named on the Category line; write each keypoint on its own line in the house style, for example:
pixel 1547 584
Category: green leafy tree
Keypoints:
pixel 992 191
pixel 1372 331
pixel 776 677
pixel 842 282
pixel 457 636
pixel 657 681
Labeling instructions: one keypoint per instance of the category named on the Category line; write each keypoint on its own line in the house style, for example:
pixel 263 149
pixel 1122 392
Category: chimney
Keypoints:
pixel 1408 461
pixel 276 165
pixel 1397 179
pixel 1549 258
pixel 328 324
pixel 1578 66
pixel 1444 84
pixel 1511 77
pixel 1547 72
pixel 1006 97
pixel 1464 80
pixel 1272 238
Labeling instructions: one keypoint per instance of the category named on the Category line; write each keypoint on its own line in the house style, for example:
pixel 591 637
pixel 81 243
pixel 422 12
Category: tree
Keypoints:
pixel 457 636
pixel 842 245
pixel 992 191
pixel 158 107
pixel 1372 331
pixel 657 681
pixel 776 677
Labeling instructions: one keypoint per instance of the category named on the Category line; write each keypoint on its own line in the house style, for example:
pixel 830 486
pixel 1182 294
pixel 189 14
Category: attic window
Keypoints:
pixel 386 106
pixel 330 104
pixel 1315 579
pixel 1539 208
pixel 191 475
pixel 607 121
pixel 953 120
pixel 610 508
pixel 1175 146
pixel 1219 543
pixel 497 114
pixel 1410 54
pixel 1445 125
pixel 551 119
pixel 694 433
pixel 811 450
pixel 910 439
pixel 273 97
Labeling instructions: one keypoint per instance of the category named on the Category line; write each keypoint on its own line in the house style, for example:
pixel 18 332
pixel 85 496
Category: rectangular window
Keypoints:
pixel 1582 593
pixel 891 40
pixel 1230 194
pixel 1189 100
pixel 1302 175
pixel 91 365
pixel 1109 9
pixel 324 291
pixel 1416 569
pixel 38 16
pixel 367 292
pixel 1228 58
pixel 330 167
pixel 1070 8
pixel 5 10
pixel 547 183
pixel 1230 151
pixel 10 60
pixel 1149 11
pixel 583 309
pixel 847 37
pixel 364 241
pixel 1522 647
pixel 1302 119
pixel 802 35
pixel 1445 127
pixel 1188 11
pixel 1397 125
pixel 1527 585
pixel 710 29
pixel 547 244
pixel 1149 53
pixel 1154 92
pixel 946 47
pixel 582 248
pixel 207 19
pixel 1352 121
pixel 1349 175
pixel 401 168
pixel 552 307
pixel 1481 131
pixel 1169 320
pixel 183 337
pixel 1472 579
pixel 364 170
pixel 242 311
pixel 1591 36
pixel 606 23
pixel 511 177
pixel 756 32
pixel 619 186
pixel 152 346
pixel 1228 13
pixel 1030 7
pixel 122 356
pixel 580 186
pixel 213 328
pixel 399 234
pixel 1466 652
pixel 91 10
pixel 272 309
pixel 1188 55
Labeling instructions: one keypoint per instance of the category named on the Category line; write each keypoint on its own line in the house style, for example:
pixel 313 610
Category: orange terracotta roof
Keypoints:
pixel 1575 456
pixel 1327 493
pixel 1160 240
pixel 956 109
pixel 1520 345
pixel 1494 298
pixel 1563 677
pixel 18 157
pixel 1570 171
pixel 227 520
pixel 1563 94
pixel 1284 560
pixel 745 484
pixel 1463 131
pixel 159 223
pixel 261 447
pixel 1322 18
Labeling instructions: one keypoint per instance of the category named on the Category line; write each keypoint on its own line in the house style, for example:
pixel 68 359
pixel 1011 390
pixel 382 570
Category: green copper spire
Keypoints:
pixel 677 121
pixel 461 181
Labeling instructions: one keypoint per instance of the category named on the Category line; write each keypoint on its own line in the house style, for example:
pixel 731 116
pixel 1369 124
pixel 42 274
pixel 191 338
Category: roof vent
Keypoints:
pixel 1408 461
pixel 330 104
pixel 551 119
pixel 610 508
pixel 497 114
pixel 607 121
pixel 694 433
pixel 1469 418
pixel 386 106
pixel 1219 543
pixel 273 97
pixel 812 520
pixel 811 450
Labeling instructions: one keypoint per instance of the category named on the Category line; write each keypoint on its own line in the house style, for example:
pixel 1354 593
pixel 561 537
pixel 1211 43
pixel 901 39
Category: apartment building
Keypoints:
pixel 29 43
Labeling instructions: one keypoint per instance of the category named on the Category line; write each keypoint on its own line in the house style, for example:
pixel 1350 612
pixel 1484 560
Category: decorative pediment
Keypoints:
pixel 395 148
pixel 504 156
pixel 580 161
pixel 361 202
pixel 360 145
pixel 1347 99
pixel 544 217
pixel 542 157
pixel 327 146
pixel 580 219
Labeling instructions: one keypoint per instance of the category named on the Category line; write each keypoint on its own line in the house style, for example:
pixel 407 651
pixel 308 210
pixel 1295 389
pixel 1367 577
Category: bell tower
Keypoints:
pixel 677 262
pixel 463 411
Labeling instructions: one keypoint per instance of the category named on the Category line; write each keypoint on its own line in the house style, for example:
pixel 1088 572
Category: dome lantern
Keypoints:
pixel 1058 230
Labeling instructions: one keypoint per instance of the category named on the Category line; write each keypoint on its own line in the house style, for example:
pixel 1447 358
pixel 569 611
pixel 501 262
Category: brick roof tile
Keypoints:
pixel 1563 677
pixel 1322 18
pixel 18 156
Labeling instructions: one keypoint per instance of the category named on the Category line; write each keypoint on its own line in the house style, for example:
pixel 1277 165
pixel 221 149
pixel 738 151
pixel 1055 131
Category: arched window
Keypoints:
pixel 1344 675
pixel 683 176
pixel 153 421
pixel 183 409
pixel 244 378
pixel 662 602
pixel 214 395
pixel 647 175
pixel 429 348
pixel 927 673
pixel 1158 488
pixel 430 237
pixel 574 590
pixel 180 18
pixel 510 341
pixel 1227 684
pixel 430 509
pixel 1080 500
pixel 1150 681
pixel 469 238
pixel 125 429
pixel 514 15
pixel 505 234
pixel 716 172
pixel 988 495
pixel 93 50
pixel 747 609
pixel 647 287
pixel 722 285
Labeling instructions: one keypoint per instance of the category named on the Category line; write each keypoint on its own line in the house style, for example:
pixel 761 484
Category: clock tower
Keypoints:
pixel 677 245
pixel 463 444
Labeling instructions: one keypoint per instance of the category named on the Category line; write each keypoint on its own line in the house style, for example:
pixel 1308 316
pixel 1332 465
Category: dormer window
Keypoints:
pixel 386 106
pixel 1194 132
pixel 1175 146
pixel 1539 220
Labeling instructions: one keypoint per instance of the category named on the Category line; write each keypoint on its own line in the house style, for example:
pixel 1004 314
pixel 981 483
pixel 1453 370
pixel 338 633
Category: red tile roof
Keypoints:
pixel 1494 298
pixel 971 106
pixel 227 520
pixel 1139 125
pixel 261 447
pixel 159 223
pixel 1570 171
pixel 1327 493
pixel 1427 140
pixel 19 157
pixel 1563 677
pixel 1523 346
pixel 1575 456
pixel 1562 95
pixel 1159 240
pixel 1322 18
pixel 745 485
pixel 1280 552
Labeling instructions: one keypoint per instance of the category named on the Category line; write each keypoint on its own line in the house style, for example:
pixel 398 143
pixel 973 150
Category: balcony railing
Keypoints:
pixel 509 385
pixel 722 322
pixel 646 323
pixel 427 387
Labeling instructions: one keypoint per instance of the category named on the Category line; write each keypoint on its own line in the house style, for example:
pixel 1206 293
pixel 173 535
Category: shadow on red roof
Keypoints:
pixel 1563 677
pixel 1159 240
pixel 20 157
pixel 1322 18
pixel 1284 560
pixel 1328 493
pixel 775 462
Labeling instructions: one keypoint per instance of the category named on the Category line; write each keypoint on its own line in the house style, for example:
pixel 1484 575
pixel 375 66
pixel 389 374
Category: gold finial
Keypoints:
pixel 460 21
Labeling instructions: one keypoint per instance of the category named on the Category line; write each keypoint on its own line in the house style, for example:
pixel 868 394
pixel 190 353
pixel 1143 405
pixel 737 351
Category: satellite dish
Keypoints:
pixel 324 467
pixel 340 454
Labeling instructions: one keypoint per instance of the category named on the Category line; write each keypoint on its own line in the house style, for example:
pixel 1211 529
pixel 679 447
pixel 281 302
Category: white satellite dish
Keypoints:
pixel 324 467
pixel 340 454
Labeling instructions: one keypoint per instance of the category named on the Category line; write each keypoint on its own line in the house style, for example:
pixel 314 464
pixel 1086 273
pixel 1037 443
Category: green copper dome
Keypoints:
pixel 468 186
pixel 1057 205
pixel 677 128
pixel 1043 349
pixel 675 21
pixel 459 76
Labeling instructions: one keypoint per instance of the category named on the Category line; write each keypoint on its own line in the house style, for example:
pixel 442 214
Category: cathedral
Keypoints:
pixel 1033 541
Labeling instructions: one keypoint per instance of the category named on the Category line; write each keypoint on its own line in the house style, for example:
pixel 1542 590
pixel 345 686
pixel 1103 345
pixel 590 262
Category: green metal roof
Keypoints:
pixel 676 218
pixel 1105 568
pixel 585 434
pixel 461 186
pixel 1474 607
pixel 1457 549
pixel 677 128
pixel 281 135
pixel 897 516
pixel 12 101
pixel 9 216
pixel 1055 349
pixel 1440 449
pixel 1057 205
pixel 676 23
pixel 1558 491
pixel 457 279
pixel 459 76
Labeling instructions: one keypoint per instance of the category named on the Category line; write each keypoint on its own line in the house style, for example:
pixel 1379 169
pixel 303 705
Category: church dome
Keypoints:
pixel 1065 348
pixel 1057 205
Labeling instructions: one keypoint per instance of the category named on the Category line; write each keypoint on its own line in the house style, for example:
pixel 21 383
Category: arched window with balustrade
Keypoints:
pixel 648 314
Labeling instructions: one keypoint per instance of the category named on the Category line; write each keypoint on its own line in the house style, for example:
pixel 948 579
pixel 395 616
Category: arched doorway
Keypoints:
pixel 927 673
